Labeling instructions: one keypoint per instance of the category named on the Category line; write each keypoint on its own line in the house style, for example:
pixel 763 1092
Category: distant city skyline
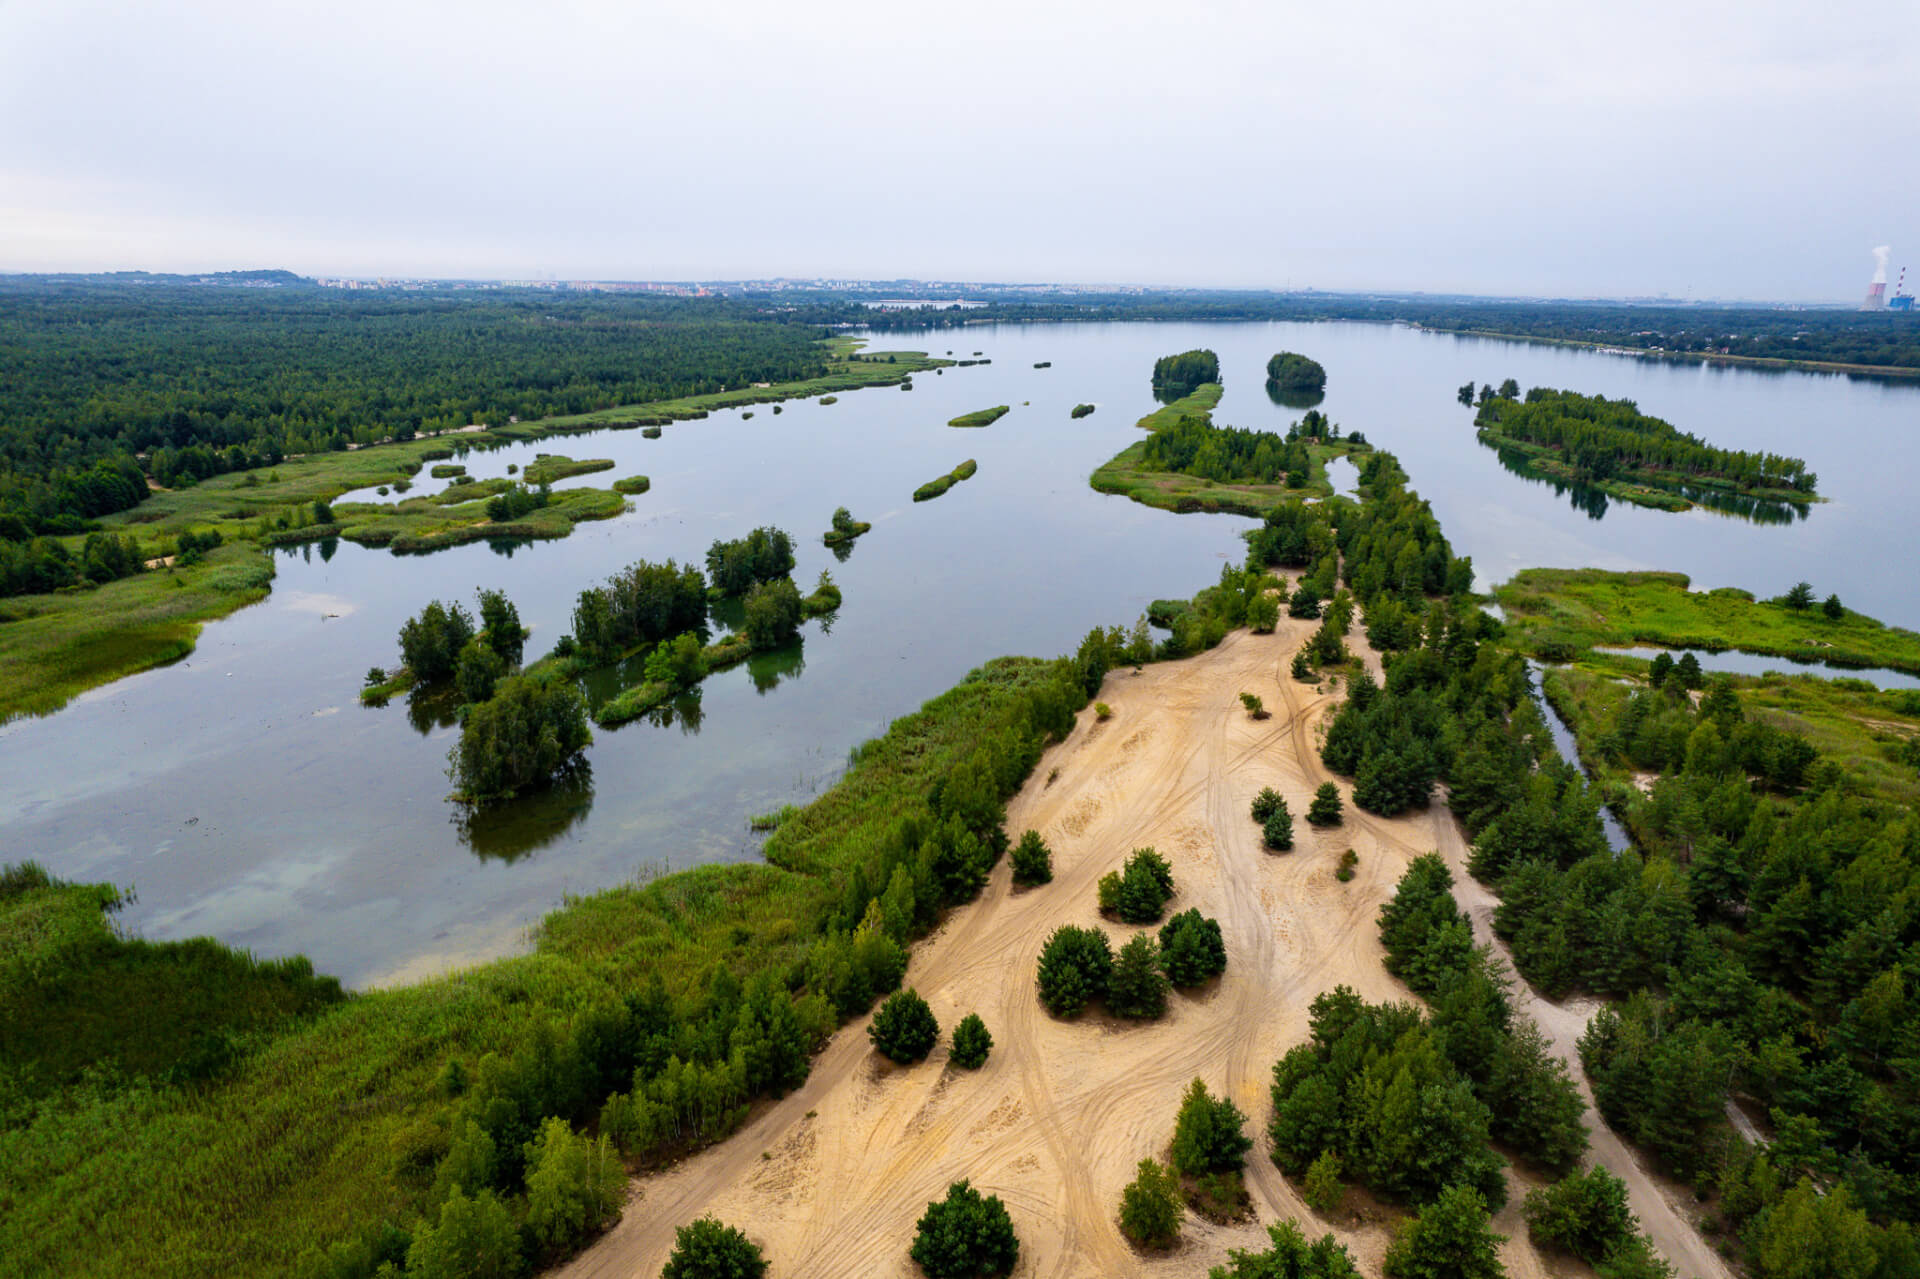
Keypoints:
pixel 1704 151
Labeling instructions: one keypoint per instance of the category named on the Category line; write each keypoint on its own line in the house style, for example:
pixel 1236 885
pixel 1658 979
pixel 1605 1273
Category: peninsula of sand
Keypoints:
pixel 830 1180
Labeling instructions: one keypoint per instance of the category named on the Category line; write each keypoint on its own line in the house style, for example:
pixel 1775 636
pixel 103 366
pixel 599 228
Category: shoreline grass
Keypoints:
pixel 128 628
pixel 1556 612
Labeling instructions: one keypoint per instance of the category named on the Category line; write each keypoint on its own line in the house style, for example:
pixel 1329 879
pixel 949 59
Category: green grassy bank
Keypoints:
pixel 53 647
pixel 323 1123
pixel 1554 612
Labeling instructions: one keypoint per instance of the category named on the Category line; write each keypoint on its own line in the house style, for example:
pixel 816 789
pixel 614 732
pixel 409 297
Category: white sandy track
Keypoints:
pixel 830 1180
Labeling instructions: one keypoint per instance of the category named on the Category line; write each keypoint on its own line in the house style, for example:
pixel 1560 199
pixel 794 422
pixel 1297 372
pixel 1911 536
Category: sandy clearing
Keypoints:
pixel 831 1179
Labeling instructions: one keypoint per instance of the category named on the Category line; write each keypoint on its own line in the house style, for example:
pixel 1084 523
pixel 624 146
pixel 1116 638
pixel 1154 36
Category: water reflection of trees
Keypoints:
pixel 1594 502
pixel 1294 399
pixel 509 830
pixel 684 709
pixel 433 706
pixel 771 669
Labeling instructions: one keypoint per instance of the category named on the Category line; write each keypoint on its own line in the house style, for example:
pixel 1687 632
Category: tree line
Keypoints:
pixel 109 383
pixel 1601 438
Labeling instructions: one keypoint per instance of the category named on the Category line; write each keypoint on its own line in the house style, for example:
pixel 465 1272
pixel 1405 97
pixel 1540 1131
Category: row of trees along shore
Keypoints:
pixel 1601 438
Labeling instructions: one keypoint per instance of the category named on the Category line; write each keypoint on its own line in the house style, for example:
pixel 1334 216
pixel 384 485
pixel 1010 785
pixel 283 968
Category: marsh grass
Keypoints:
pixel 1555 612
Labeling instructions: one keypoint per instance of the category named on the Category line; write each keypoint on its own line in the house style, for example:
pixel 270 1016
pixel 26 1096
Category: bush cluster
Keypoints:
pixel 1138 892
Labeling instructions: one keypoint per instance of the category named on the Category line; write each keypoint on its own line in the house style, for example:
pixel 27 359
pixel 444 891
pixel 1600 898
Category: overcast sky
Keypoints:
pixel 1755 149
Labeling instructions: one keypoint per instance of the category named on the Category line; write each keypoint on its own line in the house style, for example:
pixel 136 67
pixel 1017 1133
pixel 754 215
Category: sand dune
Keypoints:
pixel 831 1179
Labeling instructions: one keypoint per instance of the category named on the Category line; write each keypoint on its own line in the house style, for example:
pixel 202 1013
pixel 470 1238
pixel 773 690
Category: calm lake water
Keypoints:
pixel 244 793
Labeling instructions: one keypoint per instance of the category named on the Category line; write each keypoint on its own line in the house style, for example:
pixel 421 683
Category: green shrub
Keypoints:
pixel 1325 808
pixel 1290 1257
pixel 1075 965
pixel 1585 1214
pixel 1263 613
pixel 965 1236
pixel 520 738
pixel 706 1249
pixel 1302 668
pixel 473 1239
pixel 1032 860
pixel 1137 988
pixel 478 670
pixel 971 1042
pixel 1138 892
pixel 574 1186
pixel 904 1029
pixel 1321 1188
pixel 430 644
pixel 1102 711
pixel 763 555
pixel 1304 602
pixel 1191 950
pixel 1208 1136
pixel 1450 1239
pixel 1277 831
pixel 1150 1206
pixel 1348 860
pixel 1266 804
pixel 1256 709
pixel 773 614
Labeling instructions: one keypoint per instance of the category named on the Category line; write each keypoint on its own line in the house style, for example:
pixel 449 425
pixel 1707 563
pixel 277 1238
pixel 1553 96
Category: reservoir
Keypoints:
pixel 245 794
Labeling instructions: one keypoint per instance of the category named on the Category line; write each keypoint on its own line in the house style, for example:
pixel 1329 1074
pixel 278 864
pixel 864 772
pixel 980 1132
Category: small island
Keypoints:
pixel 845 528
pixel 934 488
pixel 981 417
pixel 632 484
pixel 1187 463
pixel 1081 410
pixel 1180 375
pixel 1610 445
pixel 549 467
pixel 1291 371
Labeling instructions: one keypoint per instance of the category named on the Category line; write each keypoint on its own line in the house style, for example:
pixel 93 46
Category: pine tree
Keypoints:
pixel 971 1043
pixel 904 1029
pixel 1325 809
pixel 1150 1206
pixel 1137 988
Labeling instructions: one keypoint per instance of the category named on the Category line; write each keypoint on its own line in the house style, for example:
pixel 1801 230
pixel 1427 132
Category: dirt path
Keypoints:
pixel 1655 1200
pixel 831 1179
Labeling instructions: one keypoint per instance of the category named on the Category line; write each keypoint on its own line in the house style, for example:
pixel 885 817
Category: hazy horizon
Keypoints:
pixel 1705 152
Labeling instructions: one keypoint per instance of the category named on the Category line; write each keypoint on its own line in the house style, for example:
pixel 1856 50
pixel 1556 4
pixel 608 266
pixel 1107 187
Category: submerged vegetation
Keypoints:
pixel 934 488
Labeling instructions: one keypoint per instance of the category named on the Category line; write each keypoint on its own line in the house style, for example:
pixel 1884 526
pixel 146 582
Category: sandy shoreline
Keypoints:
pixel 830 1180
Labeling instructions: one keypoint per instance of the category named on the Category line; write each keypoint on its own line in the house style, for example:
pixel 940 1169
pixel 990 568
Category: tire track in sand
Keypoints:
pixel 1061 1113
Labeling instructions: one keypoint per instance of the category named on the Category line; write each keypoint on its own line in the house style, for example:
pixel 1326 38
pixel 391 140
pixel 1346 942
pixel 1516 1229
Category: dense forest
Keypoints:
pixel 1762 935
pixel 110 383
pixel 1178 375
pixel 1601 438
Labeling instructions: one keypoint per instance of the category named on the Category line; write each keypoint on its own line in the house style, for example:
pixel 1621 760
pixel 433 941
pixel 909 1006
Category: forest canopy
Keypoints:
pixel 110 383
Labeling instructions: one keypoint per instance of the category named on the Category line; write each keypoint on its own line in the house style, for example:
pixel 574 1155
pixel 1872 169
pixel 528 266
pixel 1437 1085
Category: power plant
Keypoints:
pixel 1877 299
